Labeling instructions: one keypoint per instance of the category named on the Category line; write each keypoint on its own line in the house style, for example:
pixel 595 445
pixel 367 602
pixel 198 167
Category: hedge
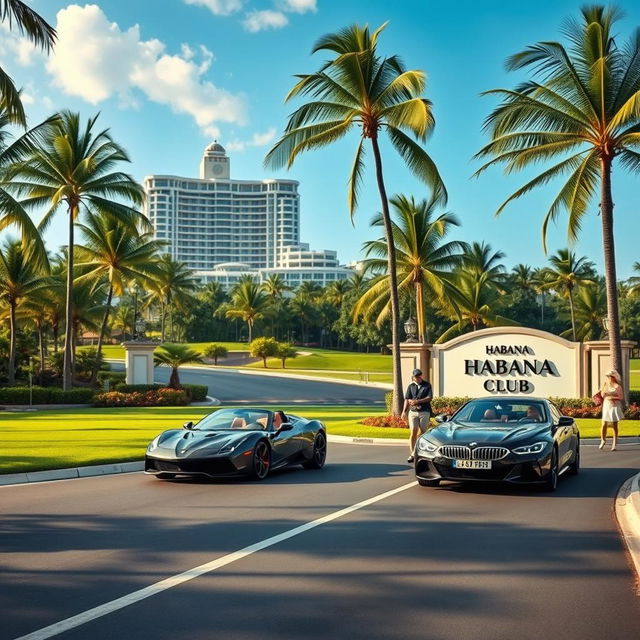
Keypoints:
pixel 114 377
pixel 196 392
pixel 574 407
pixel 158 397
pixel 46 395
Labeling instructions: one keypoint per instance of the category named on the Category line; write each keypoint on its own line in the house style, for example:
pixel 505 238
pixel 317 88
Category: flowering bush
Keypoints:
pixel 163 397
pixel 385 421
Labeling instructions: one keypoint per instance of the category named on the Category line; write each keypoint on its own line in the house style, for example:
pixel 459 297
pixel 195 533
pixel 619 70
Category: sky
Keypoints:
pixel 169 77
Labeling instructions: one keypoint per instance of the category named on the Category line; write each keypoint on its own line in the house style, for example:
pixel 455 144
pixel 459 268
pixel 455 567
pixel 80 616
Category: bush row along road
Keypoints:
pixel 456 562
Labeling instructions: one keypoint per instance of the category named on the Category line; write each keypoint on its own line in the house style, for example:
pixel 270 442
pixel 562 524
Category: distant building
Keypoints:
pixel 222 228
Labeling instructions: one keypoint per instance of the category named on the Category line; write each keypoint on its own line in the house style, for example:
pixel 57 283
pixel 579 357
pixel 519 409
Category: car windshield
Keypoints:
pixel 248 419
pixel 501 413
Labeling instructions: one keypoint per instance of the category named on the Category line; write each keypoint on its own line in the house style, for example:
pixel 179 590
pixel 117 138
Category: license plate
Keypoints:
pixel 472 464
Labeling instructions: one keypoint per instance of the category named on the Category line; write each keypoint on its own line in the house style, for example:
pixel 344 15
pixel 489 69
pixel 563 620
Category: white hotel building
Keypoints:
pixel 223 228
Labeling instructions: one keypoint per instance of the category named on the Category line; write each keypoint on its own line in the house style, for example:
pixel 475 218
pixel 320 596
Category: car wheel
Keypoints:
pixel 165 476
pixel 574 467
pixel 428 483
pixel 261 461
pixel 551 482
pixel 319 454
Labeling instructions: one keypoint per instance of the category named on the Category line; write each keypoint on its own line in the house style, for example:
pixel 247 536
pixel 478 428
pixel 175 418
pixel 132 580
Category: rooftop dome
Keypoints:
pixel 215 147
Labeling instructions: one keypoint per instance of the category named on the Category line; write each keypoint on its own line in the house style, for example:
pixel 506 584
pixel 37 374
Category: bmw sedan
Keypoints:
pixel 508 439
pixel 245 441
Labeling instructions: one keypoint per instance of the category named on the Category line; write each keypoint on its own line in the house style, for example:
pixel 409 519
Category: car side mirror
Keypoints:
pixel 285 426
pixel 565 421
pixel 188 425
pixel 443 417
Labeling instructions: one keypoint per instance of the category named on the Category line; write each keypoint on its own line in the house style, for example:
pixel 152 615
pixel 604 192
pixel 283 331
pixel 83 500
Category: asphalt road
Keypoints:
pixel 456 562
pixel 232 387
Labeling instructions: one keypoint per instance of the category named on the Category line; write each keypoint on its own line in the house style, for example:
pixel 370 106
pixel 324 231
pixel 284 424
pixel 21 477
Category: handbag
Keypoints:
pixel 597 399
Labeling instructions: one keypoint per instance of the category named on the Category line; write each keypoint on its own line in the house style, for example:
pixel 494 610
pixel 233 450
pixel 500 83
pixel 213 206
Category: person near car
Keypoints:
pixel 417 403
pixel 612 411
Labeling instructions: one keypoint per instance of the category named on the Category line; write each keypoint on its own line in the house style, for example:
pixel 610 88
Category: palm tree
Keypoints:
pixel 424 261
pixel 336 292
pixel 18 280
pixel 634 281
pixel 275 287
pixel 566 273
pixel 174 356
pixel 522 277
pixel 477 305
pixel 584 110
pixel 74 170
pixel 36 29
pixel 172 286
pixel 112 252
pixel 480 259
pixel 590 308
pixel 360 89
pixel 248 302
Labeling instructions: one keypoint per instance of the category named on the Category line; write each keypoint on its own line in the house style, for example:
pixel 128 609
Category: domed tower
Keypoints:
pixel 215 162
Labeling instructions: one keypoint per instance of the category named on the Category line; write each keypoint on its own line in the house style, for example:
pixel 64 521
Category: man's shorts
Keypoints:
pixel 419 420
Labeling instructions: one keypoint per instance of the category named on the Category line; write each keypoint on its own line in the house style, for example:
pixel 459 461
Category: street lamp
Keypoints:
pixel 411 329
pixel 141 327
pixel 605 326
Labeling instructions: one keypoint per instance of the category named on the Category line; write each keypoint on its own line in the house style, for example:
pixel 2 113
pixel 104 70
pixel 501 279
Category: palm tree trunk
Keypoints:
pixel 606 213
pixel 573 316
pixel 174 380
pixel 422 326
pixel 12 343
pixel 42 351
pixel 103 329
pixel 67 367
pixel 396 404
pixel 162 320
pixel 250 329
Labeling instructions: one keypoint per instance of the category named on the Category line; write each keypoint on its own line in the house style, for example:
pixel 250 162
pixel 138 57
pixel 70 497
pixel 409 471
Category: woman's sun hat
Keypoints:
pixel 612 373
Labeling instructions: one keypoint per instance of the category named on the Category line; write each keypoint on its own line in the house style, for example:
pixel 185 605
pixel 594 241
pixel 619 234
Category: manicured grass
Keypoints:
pixel 363 377
pixel 72 438
pixel 116 351
pixel 324 359
pixel 635 364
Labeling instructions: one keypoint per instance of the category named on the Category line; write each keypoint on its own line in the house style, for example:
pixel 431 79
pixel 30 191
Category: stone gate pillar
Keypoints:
pixel 139 361
pixel 414 355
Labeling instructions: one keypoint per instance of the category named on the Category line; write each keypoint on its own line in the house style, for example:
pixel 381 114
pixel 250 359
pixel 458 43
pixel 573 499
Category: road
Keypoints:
pixel 456 562
pixel 233 387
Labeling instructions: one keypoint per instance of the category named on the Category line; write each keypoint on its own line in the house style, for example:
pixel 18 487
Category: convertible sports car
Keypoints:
pixel 507 439
pixel 244 441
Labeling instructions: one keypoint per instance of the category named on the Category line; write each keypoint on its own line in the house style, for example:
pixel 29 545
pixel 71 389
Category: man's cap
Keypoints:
pixel 416 372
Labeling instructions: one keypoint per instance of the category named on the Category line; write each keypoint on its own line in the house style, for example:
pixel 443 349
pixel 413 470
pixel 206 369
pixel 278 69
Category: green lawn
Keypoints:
pixel 116 351
pixel 327 360
pixel 71 438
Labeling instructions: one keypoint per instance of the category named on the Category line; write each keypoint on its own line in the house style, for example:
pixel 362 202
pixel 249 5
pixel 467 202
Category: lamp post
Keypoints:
pixel 411 328
pixel 605 326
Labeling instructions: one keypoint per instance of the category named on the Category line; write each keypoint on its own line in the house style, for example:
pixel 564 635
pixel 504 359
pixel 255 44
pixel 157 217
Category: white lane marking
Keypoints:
pixel 196 572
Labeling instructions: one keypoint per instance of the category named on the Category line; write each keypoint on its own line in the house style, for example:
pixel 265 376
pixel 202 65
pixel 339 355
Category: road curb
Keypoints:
pixel 360 440
pixel 628 515
pixel 68 474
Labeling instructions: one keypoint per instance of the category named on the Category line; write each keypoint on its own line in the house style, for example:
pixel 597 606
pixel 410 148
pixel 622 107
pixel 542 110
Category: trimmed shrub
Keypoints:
pixel 385 421
pixel 114 377
pixel 197 392
pixel 264 348
pixel 160 397
pixel 122 387
pixel 215 351
pixel 46 395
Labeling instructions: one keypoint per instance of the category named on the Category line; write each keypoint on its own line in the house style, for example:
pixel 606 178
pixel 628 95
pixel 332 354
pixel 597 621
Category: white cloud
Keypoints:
pixel 299 6
pixel 95 59
pixel 267 19
pixel 219 7
pixel 257 140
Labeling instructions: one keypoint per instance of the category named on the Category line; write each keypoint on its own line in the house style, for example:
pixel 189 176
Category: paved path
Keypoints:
pixel 456 562
pixel 233 387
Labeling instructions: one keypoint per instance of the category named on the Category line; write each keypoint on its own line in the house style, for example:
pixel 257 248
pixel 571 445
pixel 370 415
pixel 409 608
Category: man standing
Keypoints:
pixel 417 400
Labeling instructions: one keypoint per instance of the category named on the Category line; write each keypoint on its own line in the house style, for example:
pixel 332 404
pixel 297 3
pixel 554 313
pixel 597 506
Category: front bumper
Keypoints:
pixel 213 467
pixel 513 469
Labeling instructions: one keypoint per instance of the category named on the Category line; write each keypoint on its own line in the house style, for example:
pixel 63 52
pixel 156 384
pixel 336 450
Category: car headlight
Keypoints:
pixel 425 445
pixel 537 447
pixel 153 444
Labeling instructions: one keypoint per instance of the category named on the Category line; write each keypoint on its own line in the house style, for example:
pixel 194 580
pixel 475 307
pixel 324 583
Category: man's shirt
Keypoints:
pixel 417 391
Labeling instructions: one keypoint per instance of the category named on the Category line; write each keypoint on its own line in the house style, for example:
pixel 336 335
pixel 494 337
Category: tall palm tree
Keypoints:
pixel 566 273
pixel 113 252
pixel 36 29
pixel 18 279
pixel 477 305
pixel 74 171
pixel 173 286
pixel 275 287
pixel 634 281
pixel 522 277
pixel 586 111
pixel 336 292
pixel 481 259
pixel 174 356
pixel 248 302
pixel 424 260
pixel 359 89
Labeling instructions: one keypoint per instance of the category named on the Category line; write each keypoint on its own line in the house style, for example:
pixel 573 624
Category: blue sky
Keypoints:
pixel 168 80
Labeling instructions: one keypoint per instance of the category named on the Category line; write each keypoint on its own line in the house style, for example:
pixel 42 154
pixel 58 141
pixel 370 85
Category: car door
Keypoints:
pixel 284 445
pixel 564 436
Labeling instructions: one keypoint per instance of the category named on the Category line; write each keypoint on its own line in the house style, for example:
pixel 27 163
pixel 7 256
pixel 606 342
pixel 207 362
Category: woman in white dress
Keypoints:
pixel 612 412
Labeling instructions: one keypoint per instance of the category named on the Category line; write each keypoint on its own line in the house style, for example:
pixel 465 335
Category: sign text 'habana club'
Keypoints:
pixel 513 361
